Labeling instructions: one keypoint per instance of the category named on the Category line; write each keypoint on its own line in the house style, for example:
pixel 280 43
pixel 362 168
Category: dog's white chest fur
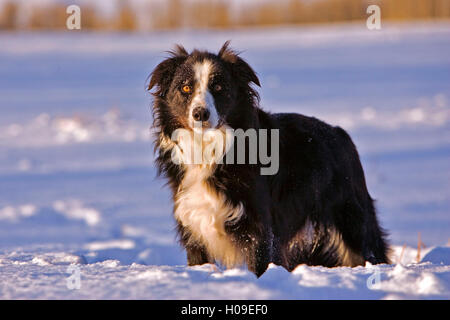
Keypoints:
pixel 204 212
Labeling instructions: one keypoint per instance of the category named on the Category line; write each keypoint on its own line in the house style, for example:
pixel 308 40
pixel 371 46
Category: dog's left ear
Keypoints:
pixel 162 75
pixel 239 66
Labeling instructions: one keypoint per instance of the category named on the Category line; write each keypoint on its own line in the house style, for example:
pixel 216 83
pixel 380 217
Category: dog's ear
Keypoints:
pixel 162 75
pixel 239 66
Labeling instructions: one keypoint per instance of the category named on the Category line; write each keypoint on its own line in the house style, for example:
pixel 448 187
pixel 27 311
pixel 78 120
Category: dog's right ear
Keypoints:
pixel 162 75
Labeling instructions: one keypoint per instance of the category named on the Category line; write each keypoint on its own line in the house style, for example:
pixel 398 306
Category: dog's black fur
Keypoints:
pixel 316 210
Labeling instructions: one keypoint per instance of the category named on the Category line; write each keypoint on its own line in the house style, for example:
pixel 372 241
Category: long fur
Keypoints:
pixel 315 210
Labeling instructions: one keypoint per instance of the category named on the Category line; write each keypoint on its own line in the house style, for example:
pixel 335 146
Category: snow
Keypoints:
pixel 79 194
pixel 44 276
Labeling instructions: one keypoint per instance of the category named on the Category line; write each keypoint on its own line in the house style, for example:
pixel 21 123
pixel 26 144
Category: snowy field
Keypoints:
pixel 78 186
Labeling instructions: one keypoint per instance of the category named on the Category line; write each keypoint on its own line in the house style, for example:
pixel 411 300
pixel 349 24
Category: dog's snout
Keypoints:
pixel 200 114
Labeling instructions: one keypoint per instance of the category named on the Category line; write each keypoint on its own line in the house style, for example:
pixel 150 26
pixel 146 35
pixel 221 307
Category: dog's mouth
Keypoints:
pixel 202 125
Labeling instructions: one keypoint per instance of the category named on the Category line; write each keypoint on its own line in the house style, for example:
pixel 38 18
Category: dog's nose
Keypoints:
pixel 200 114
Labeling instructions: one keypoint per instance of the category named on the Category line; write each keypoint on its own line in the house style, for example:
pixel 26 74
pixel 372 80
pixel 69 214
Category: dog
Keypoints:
pixel 313 209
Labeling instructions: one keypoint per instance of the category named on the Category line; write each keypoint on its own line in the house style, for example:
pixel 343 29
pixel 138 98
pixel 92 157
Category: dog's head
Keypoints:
pixel 203 87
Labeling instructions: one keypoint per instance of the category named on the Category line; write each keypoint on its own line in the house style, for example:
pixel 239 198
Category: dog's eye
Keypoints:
pixel 217 87
pixel 186 89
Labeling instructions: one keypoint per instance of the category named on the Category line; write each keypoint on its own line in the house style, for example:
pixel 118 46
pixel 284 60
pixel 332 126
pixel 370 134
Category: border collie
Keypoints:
pixel 313 209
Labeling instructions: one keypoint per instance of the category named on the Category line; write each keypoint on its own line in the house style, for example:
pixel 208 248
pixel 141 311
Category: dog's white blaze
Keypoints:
pixel 202 96
pixel 204 212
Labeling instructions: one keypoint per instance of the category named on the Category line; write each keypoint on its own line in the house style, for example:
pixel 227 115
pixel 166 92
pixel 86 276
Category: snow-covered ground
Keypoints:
pixel 78 193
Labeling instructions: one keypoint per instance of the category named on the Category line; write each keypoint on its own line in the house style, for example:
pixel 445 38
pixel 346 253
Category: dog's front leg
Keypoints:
pixel 195 251
pixel 258 255
pixel 255 239
pixel 197 255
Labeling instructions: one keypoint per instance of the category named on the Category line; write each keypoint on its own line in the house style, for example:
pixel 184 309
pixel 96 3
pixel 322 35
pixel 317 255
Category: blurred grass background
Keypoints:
pixel 140 15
